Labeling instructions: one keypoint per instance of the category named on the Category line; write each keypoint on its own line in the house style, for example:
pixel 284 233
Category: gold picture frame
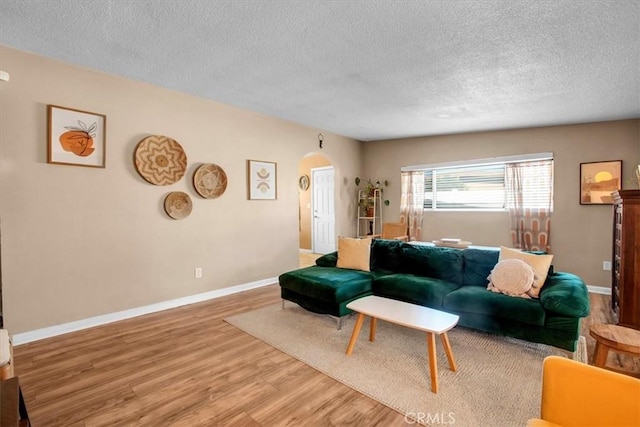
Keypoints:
pixel 598 180
pixel 262 182
pixel 76 137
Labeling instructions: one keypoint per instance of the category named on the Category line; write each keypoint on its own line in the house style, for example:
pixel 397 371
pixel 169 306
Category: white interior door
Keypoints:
pixel 323 238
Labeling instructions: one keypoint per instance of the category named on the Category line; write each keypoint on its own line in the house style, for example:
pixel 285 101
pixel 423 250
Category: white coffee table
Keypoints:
pixel 410 315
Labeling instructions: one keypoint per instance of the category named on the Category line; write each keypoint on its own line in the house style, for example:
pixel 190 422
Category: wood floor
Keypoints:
pixel 187 367
pixel 307 259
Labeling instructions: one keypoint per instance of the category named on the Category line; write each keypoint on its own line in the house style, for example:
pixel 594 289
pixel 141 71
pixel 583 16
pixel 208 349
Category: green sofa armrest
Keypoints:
pixel 565 294
pixel 328 260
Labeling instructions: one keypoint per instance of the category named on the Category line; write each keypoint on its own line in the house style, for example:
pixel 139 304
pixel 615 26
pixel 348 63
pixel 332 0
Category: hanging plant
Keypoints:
pixel 370 186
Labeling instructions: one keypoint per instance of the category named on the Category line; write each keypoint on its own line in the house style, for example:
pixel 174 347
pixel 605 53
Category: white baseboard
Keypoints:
pixel 306 251
pixel 599 290
pixel 52 331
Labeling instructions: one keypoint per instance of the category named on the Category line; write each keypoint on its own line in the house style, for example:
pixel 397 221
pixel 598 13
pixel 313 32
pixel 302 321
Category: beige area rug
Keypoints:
pixel 498 382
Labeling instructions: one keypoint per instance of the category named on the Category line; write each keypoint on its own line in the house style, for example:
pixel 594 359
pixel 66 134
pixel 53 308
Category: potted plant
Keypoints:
pixel 366 203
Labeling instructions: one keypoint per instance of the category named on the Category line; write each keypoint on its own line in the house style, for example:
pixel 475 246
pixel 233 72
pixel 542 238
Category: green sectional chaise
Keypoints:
pixel 448 279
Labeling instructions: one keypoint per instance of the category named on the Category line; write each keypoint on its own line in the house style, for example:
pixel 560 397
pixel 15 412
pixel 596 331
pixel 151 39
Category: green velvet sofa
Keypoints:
pixel 448 279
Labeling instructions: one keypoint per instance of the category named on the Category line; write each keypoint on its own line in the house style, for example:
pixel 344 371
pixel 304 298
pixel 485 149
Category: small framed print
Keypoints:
pixel 261 180
pixel 598 180
pixel 76 137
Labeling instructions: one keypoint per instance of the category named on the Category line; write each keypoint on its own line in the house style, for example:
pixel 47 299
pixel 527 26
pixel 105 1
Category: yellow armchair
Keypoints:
pixel 575 394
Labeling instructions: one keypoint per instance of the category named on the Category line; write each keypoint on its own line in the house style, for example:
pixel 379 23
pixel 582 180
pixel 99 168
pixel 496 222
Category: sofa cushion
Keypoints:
pixel 474 299
pixel 478 264
pixel 386 255
pixel 565 294
pixel 328 260
pixel 327 283
pixel 431 261
pixel 354 253
pixel 421 290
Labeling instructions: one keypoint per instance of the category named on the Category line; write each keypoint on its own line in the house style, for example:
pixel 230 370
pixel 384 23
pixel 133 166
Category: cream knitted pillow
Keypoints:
pixel 512 277
pixel 539 263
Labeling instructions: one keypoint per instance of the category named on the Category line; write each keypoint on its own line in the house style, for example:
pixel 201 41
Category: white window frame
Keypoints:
pixel 478 162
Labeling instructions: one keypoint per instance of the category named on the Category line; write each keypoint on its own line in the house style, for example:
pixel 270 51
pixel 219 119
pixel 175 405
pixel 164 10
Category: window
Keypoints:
pixel 483 186
pixel 473 187
pixel 535 184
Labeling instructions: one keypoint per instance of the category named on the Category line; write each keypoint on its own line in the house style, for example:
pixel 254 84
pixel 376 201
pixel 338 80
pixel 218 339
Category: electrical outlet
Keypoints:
pixel 198 272
pixel 606 265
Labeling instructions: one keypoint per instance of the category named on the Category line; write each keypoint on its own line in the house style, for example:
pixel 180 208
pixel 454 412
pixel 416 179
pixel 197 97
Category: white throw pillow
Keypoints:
pixel 512 277
pixel 539 263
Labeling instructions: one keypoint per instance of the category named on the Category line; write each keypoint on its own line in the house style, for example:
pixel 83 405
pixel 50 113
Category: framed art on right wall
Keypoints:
pixel 598 180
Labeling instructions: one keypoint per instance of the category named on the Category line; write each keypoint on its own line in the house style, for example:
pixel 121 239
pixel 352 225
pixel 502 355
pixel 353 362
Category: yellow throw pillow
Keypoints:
pixel 354 253
pixel 540 264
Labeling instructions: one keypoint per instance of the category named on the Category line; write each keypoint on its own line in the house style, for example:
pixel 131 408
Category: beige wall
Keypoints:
pixel 80 242
pixel 581 235
pixel 306 164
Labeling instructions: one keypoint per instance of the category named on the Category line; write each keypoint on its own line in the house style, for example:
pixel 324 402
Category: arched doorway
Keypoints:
pixel 315 210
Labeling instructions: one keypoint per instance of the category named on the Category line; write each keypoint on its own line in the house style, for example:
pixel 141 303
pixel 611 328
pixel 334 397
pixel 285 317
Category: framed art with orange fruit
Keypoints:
pixel 76 137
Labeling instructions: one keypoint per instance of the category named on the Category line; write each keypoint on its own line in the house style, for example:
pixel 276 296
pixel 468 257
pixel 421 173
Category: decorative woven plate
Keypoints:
pixel 160 160
pixel 178 205
pixel 303 182
pixel 210 181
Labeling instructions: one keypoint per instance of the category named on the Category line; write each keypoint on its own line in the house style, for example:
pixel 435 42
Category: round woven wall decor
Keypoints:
pixel 160 160
pixel 178 205
pixel 210 181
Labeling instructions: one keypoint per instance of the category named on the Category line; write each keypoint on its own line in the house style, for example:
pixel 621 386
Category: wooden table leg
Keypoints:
pixel 372 329
pixel 433 363
pixel 600 355
pixel 448 351
pixel 355 333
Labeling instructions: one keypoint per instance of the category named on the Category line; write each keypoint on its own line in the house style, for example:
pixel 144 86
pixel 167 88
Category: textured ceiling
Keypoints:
pixel 365 69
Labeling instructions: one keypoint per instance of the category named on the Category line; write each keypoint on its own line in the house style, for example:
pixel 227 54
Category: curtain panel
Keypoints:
pixel 530 226
pixel 412 203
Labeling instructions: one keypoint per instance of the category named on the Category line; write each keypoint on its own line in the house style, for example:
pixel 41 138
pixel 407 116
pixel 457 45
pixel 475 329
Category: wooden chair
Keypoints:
pixel 13 410
pixel 6 355
pixel 395 231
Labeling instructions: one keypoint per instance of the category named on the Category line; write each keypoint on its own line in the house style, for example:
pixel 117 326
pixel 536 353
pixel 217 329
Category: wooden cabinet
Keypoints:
pixel 625 278
pixel 13 411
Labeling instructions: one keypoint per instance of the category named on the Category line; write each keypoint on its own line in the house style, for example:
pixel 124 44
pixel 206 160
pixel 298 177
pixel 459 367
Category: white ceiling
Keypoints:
pixel 360 68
